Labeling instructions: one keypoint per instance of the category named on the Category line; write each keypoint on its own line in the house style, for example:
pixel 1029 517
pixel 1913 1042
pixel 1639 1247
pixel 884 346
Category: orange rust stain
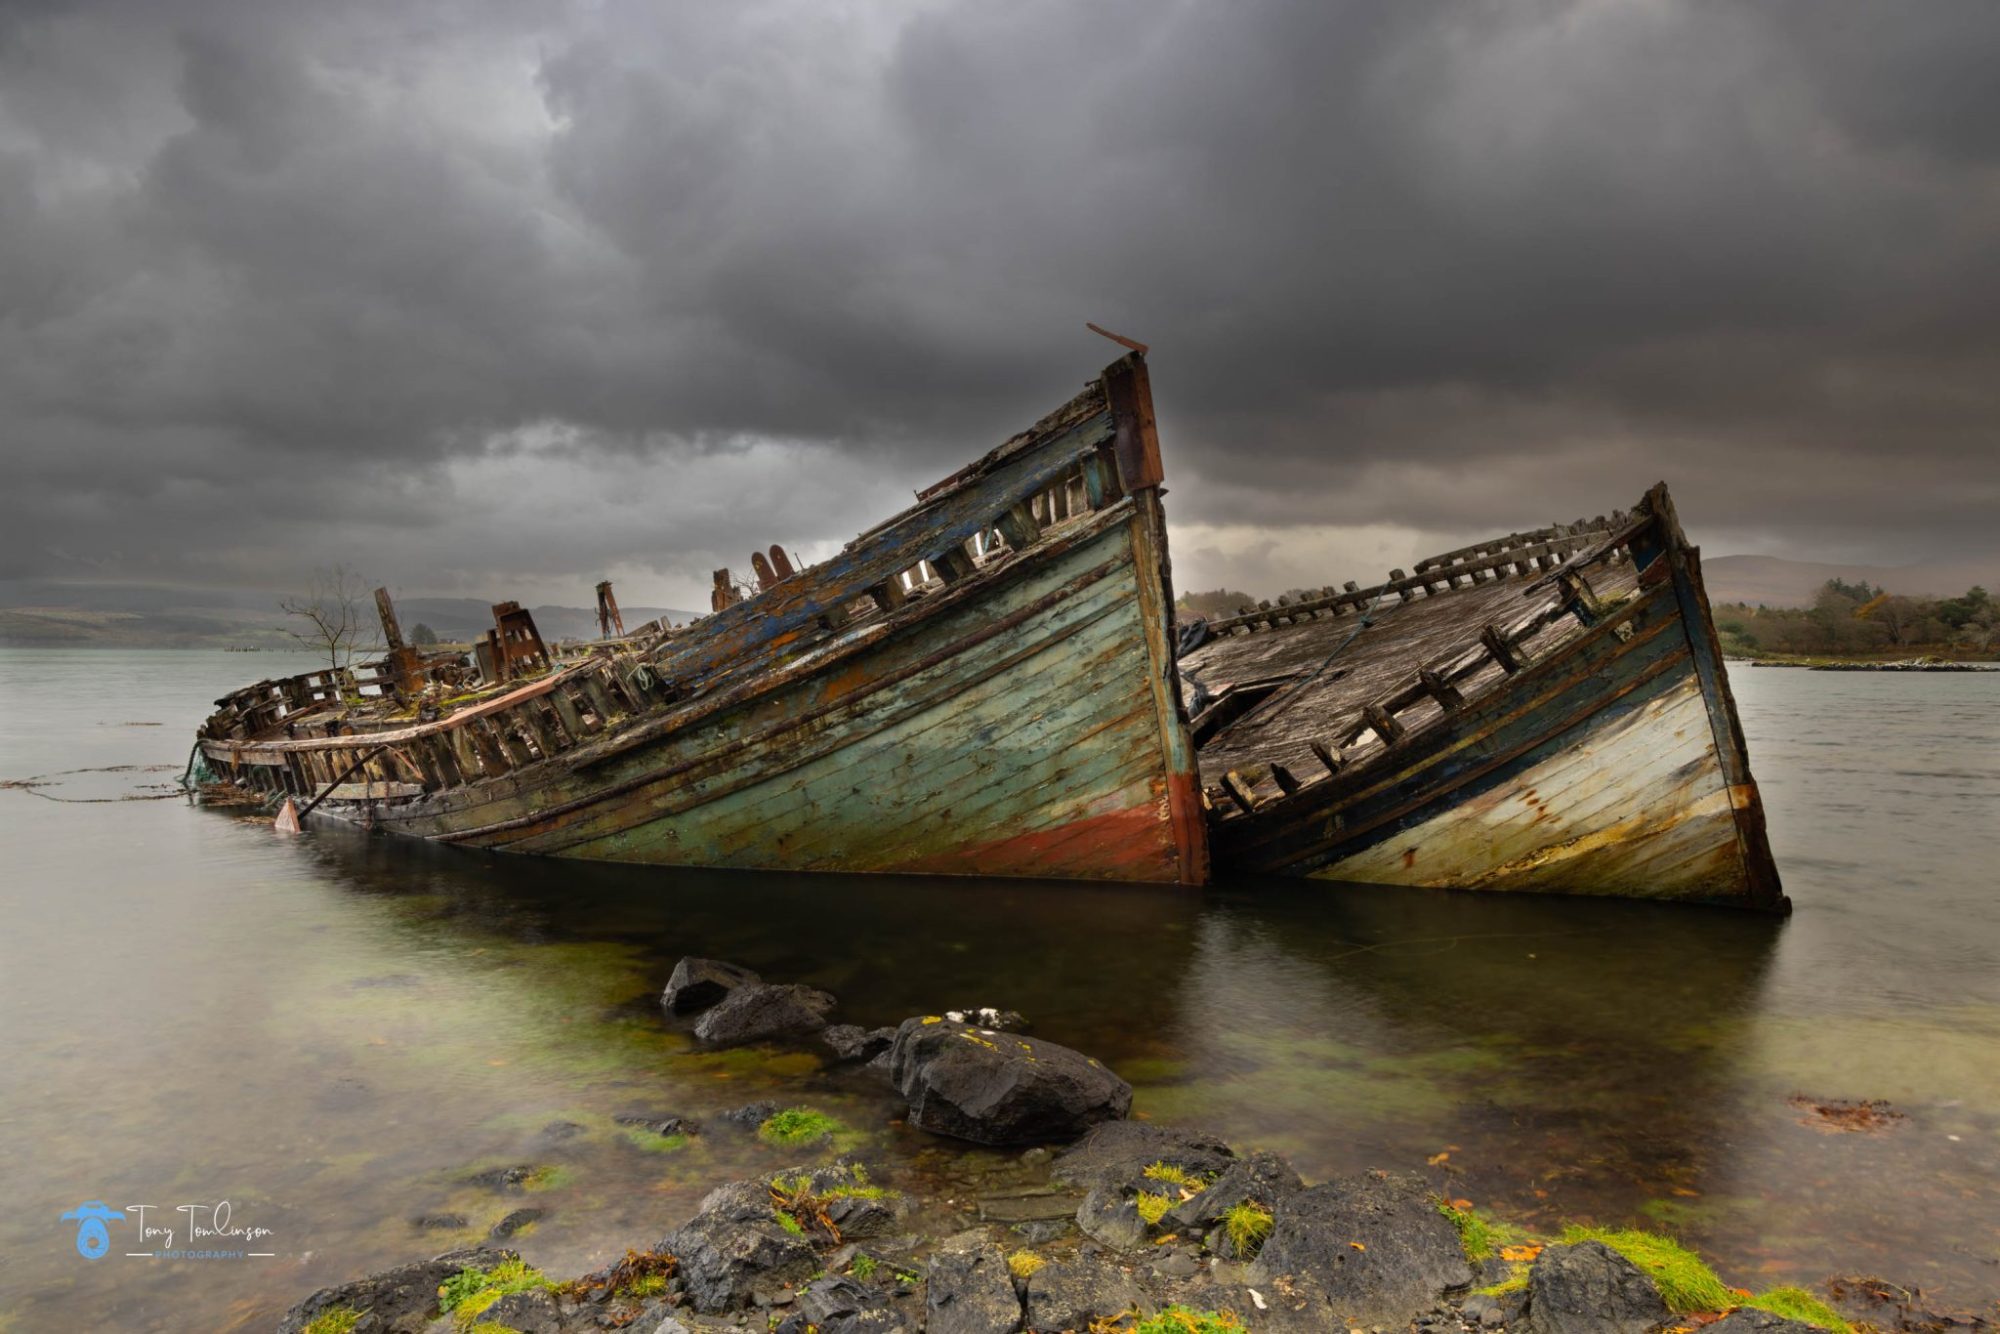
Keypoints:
pixel 1128 844
pixel 1409 858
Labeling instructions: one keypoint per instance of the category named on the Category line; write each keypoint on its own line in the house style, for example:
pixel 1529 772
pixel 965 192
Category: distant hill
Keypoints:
pixel 44 614
pixel 1775 582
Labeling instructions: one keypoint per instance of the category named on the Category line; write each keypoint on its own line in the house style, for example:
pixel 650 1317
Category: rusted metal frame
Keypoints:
pixel 1325 850
pixel 1360 780
pixel 701 710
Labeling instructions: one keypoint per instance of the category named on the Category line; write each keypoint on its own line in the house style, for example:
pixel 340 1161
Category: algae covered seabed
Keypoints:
pixel 338 1033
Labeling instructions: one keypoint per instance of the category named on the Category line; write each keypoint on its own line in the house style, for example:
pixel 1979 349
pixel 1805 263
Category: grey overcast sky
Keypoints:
pixel 500 296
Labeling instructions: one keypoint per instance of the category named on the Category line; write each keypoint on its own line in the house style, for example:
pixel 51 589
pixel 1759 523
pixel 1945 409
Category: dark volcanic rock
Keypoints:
pixel 1748 1321
pixel 697 984
pixel 1110 1214
pixel 969 1290
pixel 996 1088
pixel 1588 1288
pixel 751 1114
pixel 403 1300
pixel 514 1222
pixel 850 1042
pixel 1366 1250
pixel 761 1012
pixel 1118 1153
pixel 440 1222
pixel 1070 1293
pixel 531 1312
pixel 1263 1178
pixel 843 1306
pixel 513 1179
pixel 735 1248
pixel 661 1123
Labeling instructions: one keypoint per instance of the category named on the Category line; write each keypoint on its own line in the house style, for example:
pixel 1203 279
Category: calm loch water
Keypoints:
pixel 336 1033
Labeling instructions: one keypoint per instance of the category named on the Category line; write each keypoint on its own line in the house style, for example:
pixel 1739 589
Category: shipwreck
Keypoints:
pixel 983 684
pixel 993 683
pixel 1547 711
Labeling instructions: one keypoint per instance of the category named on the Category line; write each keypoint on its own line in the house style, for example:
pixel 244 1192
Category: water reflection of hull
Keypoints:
pixel 1585 742
pixel 982 685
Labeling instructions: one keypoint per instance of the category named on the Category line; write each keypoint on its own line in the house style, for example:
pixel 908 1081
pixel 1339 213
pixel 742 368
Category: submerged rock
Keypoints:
pixel 1748 1320
pixel 736 1249
pixel 751 1114
pixel 512 1179
pixel 1588 1288
pixel 994 1088
pixel 1366 1250
pixel 403 1300
pixel 969 1290
pixel 761 1012
pixel 660 1123
pixel 514 1222
pixel 696 984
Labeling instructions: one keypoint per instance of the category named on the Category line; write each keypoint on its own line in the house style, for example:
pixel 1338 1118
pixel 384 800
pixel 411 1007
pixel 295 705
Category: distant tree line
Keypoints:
pixel 1862 619
pixel 1216 603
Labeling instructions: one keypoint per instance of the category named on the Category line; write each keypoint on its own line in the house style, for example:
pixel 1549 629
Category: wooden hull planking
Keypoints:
pixel 1602 757
pixel 1005 705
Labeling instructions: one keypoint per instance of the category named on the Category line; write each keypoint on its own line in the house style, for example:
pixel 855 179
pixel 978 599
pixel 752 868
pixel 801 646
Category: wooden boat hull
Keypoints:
pixel 1611 764
pixel 996 714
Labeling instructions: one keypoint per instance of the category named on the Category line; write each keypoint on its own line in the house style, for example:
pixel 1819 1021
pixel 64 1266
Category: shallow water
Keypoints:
pixel 332 1032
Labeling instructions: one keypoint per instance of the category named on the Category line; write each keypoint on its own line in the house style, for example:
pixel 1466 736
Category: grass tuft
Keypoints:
pixel 1798 1304
pixel 1186 1320
pixel 1517 1283
pixel 1152 1208
pixel 1247 1225
pixel 1475 1234
pixel 798 1125
pixel 1178 1176
pixel 1024 1264
pixel 864 1267
pixel 334 1320
pixel 1684 1278
pixel 466 1294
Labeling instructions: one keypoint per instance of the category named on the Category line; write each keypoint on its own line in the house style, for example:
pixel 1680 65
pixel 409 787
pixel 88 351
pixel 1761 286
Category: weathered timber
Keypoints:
pixel 984 684
pixel 1569 731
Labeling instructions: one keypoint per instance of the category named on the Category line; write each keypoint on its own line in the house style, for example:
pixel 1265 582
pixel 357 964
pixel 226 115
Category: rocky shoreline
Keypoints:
pixel 1106 1224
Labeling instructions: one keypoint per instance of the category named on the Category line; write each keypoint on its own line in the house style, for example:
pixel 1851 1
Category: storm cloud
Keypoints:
pixel 503 297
